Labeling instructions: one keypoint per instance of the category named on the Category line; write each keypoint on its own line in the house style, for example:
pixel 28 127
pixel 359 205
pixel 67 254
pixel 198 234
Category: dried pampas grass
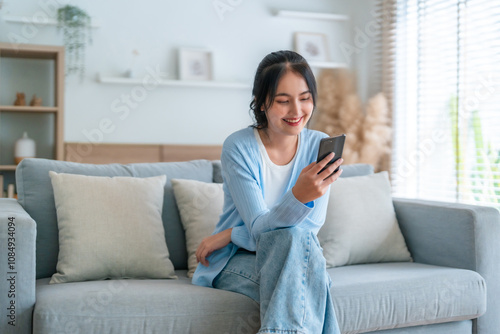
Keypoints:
pixel 340 111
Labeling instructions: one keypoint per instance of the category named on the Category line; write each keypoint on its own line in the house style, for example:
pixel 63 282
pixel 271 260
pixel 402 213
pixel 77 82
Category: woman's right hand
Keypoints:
pixel 310 185
pixel 212 243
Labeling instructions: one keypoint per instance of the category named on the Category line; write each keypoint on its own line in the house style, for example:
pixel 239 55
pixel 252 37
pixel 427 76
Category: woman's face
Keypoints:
pixel 292 106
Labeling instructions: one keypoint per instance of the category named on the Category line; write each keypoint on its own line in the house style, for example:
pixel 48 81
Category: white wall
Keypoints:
pixel 239 40
pixel 363 25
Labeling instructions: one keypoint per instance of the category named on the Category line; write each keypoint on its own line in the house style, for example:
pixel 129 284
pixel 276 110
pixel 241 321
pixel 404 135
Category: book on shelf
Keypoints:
pixel 1 186
pixel 10 190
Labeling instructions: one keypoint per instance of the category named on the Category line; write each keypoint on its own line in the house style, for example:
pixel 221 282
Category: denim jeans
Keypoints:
pixel 287 277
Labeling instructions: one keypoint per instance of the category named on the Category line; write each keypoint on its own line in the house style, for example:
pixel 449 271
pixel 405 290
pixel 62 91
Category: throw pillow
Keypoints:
pixel 361 224
pixel 110 227
pixel 200 205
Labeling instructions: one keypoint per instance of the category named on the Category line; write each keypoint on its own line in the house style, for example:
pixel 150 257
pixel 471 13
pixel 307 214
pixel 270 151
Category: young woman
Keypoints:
pixel 265 244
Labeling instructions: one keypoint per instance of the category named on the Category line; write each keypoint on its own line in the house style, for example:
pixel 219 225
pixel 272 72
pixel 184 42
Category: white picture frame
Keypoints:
pixel 312 46
pixel 195 64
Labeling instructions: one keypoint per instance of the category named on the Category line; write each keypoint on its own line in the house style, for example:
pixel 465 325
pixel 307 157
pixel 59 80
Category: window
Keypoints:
pixel 446 99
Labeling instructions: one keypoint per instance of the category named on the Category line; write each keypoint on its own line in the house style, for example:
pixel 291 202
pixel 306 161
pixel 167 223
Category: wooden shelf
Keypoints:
pixel 311 15
pixel 175 83
pixel 29 109
pixel 324 64
pixel 18 117
pixel 48 22
pixel 8 167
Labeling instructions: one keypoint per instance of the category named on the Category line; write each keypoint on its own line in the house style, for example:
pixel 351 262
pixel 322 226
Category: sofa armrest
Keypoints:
pixel 17 268
pixel 460 236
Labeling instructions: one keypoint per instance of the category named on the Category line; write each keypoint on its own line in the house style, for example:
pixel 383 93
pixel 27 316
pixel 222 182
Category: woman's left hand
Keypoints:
pixel 212 243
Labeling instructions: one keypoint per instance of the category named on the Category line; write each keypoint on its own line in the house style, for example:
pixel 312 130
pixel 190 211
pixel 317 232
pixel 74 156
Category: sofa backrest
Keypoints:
pixel 36 195
pixel 348 170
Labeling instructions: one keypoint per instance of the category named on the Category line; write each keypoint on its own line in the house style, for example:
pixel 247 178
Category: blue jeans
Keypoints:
pixel 287 277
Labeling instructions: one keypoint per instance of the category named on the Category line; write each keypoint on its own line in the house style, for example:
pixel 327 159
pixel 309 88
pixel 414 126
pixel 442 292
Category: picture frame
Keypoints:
pixel 312 46
pixel 195 64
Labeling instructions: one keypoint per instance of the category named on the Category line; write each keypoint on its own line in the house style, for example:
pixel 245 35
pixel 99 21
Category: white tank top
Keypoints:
pixel 275 177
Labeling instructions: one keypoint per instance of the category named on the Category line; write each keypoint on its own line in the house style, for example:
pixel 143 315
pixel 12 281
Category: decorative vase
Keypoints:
pixel 129 73
pixel 25 147
pixel 20 99
pixel 36 101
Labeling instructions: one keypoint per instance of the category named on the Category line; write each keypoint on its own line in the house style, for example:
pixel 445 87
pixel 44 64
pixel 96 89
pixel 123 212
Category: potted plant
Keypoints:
pixel 75 24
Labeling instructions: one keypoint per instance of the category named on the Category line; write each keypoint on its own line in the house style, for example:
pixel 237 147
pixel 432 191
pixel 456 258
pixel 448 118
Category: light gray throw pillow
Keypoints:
pixel 361 224
pixel 200 205
pixel 110 227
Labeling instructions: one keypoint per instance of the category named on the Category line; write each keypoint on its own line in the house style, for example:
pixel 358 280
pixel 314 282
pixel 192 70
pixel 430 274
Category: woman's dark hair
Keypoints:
pixel 267 77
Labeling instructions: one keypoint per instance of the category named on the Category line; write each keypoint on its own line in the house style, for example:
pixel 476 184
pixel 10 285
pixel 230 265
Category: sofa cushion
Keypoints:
pixel 200 205
pixel 367 297
pixel 36 196
pixel 456 327
pixel 110 227
pixel 356 170
pixel 217 176
pixel 371 297
pixel 361 224
pixel 141 306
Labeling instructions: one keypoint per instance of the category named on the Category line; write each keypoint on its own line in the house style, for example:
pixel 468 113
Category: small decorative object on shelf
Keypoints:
pixel 76 26
pixel 20 99
pixel 311 46
pixel 36 101
pixel 25 147
pixel 195 64
pixel 129 73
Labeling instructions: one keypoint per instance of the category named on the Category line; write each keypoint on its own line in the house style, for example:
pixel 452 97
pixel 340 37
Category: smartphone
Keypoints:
pixel 329 145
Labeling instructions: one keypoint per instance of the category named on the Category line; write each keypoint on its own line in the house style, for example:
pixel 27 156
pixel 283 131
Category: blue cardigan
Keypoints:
pixel 244 207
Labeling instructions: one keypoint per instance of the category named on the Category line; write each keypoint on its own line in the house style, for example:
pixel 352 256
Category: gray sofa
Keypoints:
pixel 452 286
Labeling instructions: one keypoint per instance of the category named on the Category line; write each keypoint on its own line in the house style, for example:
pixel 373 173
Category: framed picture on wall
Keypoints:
pixel 312 46
pixel 195 64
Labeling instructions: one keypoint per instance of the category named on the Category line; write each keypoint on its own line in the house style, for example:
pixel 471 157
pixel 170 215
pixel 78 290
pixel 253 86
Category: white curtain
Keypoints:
pixel 441 61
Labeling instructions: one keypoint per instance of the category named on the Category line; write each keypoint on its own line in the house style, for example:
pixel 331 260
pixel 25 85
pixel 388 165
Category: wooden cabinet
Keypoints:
pixel 32 69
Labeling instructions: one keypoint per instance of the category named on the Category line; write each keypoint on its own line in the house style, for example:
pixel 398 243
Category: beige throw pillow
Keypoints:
pixel 200 205
pixel 110 227
pixel 361 224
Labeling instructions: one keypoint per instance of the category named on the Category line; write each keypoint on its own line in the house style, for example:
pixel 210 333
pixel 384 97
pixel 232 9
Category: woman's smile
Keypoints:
pixel 293 121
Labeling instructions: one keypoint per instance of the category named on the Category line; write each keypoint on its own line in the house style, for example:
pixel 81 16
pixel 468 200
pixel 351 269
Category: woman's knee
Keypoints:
pixel 239 276
pixel 290 240
pixel 286 235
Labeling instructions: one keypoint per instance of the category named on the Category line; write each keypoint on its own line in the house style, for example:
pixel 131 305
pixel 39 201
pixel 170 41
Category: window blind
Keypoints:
pixel 444 57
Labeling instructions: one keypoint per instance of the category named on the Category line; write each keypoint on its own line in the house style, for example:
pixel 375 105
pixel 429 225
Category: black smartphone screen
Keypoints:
pixel 328 145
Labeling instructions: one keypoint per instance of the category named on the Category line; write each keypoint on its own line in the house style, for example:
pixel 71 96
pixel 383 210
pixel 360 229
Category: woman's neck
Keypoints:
pixel 280 148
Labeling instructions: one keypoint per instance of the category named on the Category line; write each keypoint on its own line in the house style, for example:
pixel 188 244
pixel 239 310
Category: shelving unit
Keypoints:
pixel 175 83
pixel 8 167
pixel 311 15
pixel 18 71
pixel 29 109
pixel 327 64
pixel 48 22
